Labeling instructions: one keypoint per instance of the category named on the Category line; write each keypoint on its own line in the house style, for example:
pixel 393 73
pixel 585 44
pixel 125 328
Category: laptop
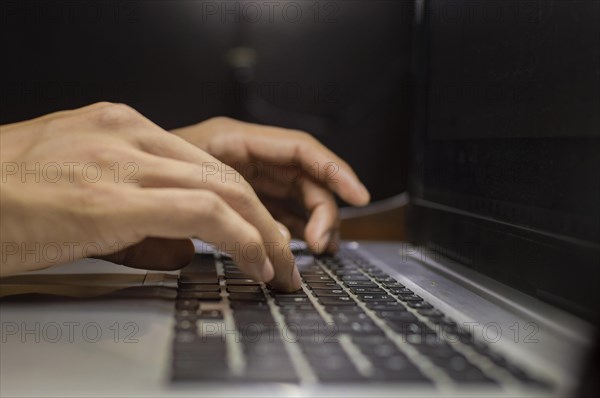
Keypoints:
pixel 494 295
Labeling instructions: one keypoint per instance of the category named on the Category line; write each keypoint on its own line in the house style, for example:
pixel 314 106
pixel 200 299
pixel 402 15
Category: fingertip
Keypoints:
pixel 267 272
pixel 363 196
pixel 285 232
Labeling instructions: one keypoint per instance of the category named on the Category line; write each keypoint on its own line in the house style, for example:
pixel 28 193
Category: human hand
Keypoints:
pixel 291 171
pixel 105 181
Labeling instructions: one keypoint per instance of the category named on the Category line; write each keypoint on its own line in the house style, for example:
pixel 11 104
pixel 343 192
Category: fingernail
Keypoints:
pixel 267 272
pixel 283 230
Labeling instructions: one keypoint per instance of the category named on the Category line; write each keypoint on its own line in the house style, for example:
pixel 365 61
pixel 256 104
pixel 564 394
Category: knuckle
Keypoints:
pixel 304 136
pixel 221 120
pixel 241 193
pixel 212 204
pixel 114 114
pixel 253 236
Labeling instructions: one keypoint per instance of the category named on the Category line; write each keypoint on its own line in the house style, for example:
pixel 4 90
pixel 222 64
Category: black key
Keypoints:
pixel 211 314
pixel 242 282
pixel 367 290
pixel 364 327
pixel 376 297
pixel 294 307
pixel 299 293
pixel 318 279
pixel 190 305
pixel 431 313
pixel 335 308
pixel 249 305
pixel 235 275
pixel 323 285
pixel 247 297
pixel 385 279
pixel 292 300
pixel 185 315
pixel 244 289
pixel 417 328
pixel 412 298
pixel 297 318
pixel 420 305
pixel 361 278
pixel 265 374
pixel 360 284
pixel 185 325
pixel 348 272
pixel 312 272
pixel 340 301
pixel 393 284
pixel 385 306
pixel 208 296
pixel 350 316
pixel 374 271
pixel 401 290
pixel 394 316
pixel 329 293
pixel 201 279
pixel 193 287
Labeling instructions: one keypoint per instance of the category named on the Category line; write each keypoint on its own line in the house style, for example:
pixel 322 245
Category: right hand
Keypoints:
pixel 128 191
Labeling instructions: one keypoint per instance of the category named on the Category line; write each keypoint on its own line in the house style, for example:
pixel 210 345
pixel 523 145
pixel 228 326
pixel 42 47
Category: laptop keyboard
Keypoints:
pixel 350 323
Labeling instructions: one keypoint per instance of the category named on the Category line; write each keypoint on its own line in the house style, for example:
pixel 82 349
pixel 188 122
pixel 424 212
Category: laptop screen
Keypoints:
pixel 506 169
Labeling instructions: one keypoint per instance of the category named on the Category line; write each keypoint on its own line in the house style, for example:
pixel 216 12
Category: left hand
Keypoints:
pixel 293 174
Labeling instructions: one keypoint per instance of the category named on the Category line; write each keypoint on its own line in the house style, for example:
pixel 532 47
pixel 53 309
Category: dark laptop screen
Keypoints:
pixel 507 143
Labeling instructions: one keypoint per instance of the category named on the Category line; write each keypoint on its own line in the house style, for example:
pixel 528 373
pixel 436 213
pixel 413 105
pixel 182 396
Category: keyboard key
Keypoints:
pixel 376 297
pixel 204 296
pixel 201 279
pixel 360 284
pixel 247 297
pixel 431 313
pixel 363 327
pixel 385 306
pixel 190 305
pixel 242 282
pixel 317 279
pixel 339 301
pixel 367 290
pixel 419 305
pixel 194 287
pixel 211 314
pixel 329 292
pixel 244 289
pixel 249 305
pixel 361 278
pixel 393 284
pixel 396 316
pixel 323 285
pixel 335 308
pixel 292 300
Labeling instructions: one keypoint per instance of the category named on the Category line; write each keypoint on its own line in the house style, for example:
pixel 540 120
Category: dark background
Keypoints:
pixel 337 69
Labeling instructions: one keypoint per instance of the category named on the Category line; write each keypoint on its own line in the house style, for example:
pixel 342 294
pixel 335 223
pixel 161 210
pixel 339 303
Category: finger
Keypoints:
pixel 155 254
pixel 284 231
pixel 230 186
pixel 278 145
pixel 181 213
pixel 323 218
